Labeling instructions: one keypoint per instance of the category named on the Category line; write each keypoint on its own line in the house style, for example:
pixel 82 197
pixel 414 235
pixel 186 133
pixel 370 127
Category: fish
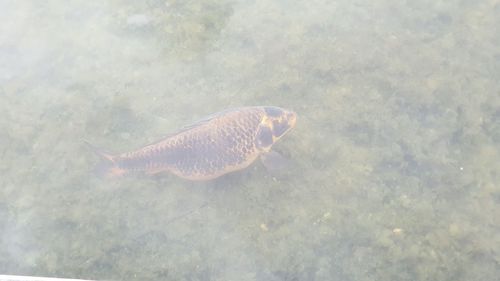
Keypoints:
pixel 216 145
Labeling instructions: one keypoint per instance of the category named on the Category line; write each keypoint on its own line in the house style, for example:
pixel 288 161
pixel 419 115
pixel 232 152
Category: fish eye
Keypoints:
pixel 273 111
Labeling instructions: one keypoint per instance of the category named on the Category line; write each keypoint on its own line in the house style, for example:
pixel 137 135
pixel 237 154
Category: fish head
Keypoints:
pixel 275 123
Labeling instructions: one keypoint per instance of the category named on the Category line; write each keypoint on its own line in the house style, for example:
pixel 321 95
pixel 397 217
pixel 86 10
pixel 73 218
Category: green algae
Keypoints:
pixel 394 160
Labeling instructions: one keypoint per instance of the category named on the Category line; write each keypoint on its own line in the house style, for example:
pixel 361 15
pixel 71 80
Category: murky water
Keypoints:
pixel 394 167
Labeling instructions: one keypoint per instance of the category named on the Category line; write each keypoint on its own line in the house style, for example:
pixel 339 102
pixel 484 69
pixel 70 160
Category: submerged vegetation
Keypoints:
pixel 393 170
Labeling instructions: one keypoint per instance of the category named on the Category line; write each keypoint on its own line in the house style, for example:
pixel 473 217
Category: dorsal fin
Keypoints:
pixel 198 123
pixel 193 125
pixel 206 119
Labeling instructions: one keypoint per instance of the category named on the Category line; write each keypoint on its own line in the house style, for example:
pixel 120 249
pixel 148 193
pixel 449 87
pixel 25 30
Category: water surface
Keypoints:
pixel 394 163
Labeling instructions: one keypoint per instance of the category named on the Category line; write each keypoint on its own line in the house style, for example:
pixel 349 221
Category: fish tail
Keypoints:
pixel 108 167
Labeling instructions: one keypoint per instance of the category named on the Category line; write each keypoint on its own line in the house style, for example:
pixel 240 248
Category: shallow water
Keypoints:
pixel 394 170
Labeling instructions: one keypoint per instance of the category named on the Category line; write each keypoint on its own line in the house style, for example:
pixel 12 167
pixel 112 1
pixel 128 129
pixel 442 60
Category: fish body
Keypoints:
pixel 224 142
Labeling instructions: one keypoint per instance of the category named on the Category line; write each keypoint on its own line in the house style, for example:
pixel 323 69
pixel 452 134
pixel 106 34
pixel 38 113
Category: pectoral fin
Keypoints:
pixel 274 161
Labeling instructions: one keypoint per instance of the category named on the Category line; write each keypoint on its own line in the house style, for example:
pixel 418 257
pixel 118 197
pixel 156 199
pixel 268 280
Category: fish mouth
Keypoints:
pixel 292 118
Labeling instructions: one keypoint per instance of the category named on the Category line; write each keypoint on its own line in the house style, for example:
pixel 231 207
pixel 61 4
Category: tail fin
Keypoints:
pixel 108 167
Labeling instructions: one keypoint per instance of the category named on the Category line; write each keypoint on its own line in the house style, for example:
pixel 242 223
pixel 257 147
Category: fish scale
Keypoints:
pixel 221 143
